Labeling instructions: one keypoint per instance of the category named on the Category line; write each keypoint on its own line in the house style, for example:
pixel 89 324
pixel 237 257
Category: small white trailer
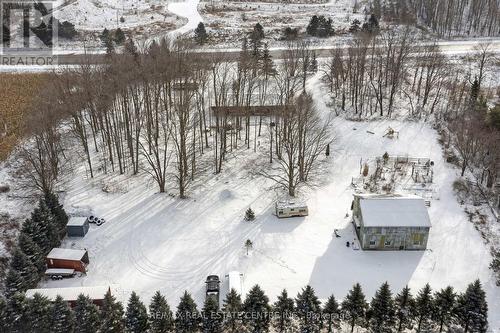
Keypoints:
pixel 234 281
pixel 291 208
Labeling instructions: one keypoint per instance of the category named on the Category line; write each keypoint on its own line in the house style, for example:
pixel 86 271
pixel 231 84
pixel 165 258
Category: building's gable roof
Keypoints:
pixel 394 212
pixel 70 294
pixel 77 221
pixel 66 254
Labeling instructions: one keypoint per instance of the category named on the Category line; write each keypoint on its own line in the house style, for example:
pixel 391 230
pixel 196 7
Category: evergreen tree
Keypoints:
pixel 308 310
pixel 110 47
pixel 258 31
pixel 249 215
pixel 119 36
pixel 244 55
pixel 3 315
pixel 136 317
pixel 51 228
pixel 371 26
pixel 39 314
pixel 42 228
pixel 62 317
pixel 211 316
pixel 354 306
pixel 267 63
pixel 325 27
pixel 331 313
pixel 313 66
pixel 200 34
pixel 405 308
pixel 131 49
pixel 424 308
pixel 474 93
pixel 257 309
pixel 382 312
pixel 472 309
pixel 27 271
pixel 444 303
pixel 232 310
pixel 32 251
pixel 283 310
pixel 86 315
pixel 290 33
pixel 17 313
pixel 355 26
pixel 160 316
pixel 187 316
pixel 248 245
pixel 312 28
pixel 58 212
pixel 66 30
pixel 13 283
pixel 104 36
pixel 111 315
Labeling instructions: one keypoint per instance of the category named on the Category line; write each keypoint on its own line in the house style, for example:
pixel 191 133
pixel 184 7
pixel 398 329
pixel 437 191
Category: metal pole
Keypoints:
pixel 271 146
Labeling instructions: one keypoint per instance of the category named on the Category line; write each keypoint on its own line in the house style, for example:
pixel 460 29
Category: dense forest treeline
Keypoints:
pixel 428 311
pixel 444 17
pixel 152 111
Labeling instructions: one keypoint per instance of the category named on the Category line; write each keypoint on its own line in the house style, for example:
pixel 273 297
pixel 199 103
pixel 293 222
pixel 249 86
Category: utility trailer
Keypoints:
pixel 213 287
pixel 234 282
pixel 59 273
pixel 291 209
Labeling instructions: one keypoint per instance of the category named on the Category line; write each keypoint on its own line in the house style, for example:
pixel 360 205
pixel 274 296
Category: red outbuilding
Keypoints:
pixel 68 258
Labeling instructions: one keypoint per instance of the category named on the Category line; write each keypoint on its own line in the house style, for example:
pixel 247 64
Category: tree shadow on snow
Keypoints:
pixel 271 224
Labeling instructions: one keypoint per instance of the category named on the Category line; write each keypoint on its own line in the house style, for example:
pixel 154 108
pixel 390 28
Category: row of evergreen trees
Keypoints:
pixel 320 26
pixel 39 234
pixel 255 36
pixel 427 311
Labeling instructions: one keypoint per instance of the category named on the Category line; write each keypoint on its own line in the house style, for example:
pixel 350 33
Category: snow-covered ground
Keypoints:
pixel 155 241
pixel 229 21
pixel 140 19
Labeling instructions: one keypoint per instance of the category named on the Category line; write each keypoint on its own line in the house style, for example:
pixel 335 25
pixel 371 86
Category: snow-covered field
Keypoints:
pixel 156 241
pixel 141 19
pixel 228 21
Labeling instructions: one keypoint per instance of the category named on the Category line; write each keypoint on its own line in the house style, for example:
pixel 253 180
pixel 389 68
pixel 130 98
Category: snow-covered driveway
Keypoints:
pixel 187 9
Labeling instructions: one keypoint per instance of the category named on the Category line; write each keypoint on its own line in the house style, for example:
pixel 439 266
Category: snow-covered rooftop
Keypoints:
pixel 67 254
pixel 291 204
pixel 394 211
pixel 77 221
pixel 70 294
pixel 50 271
pixel 234 281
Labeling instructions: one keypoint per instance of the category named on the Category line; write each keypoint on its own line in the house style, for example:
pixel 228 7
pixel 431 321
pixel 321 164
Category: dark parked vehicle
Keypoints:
pixel 213 287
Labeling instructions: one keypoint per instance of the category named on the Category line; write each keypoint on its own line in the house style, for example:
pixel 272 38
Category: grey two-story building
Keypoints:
pixel 391 221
